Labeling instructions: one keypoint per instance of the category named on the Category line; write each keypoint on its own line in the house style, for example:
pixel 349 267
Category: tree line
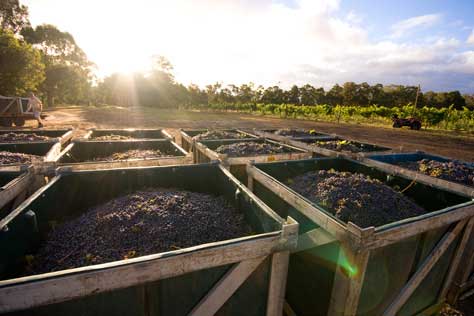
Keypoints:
pixel 49 61
pixel 41 59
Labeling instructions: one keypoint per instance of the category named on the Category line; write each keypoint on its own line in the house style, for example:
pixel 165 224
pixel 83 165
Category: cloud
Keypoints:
pixel 470 39
pixel 418 22
pixel 263 41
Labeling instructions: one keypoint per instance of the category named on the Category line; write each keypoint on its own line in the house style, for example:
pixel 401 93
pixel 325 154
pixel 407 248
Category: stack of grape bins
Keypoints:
pixel 403 267
pixel 449 174
pixel 101 149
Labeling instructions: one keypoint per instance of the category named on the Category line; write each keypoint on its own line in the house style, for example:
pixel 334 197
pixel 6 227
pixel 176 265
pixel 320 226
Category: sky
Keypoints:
pixel 284 42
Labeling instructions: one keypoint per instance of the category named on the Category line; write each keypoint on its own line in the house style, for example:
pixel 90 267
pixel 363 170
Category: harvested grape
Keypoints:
pixel 250 149
pixel 7 158
pixel 217 134
pixel 134 154
pixel 454 170
pixel 22 137
pixel 354 197
pixel 142 223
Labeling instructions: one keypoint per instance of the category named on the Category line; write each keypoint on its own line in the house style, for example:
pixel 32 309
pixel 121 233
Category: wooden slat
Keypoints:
pixel 225 287
pixel 277 287
pixel 455 262
pixel 404 231
pixel 167 161
pixel 28 292
pixel 424 269
pixel 14 188
pixel 346 289
pixel 269 158
pixel 279 272
pixel 313 238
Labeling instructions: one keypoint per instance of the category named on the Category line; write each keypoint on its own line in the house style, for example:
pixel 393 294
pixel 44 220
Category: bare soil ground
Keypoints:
pixel 450 144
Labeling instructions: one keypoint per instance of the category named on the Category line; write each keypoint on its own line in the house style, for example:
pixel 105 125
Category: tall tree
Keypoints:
pixel 21 68
pixel 13 16
pixel 68 71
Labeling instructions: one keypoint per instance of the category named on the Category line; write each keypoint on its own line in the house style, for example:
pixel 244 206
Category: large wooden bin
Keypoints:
pixel 48 150
pixel 241 276
pixel 56 135
pixel 187 136
pixel 204 151
pixel 308 143
pixel 464 279
pixel 402 268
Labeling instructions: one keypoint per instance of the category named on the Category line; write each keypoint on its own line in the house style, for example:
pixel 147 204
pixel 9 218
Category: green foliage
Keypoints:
pixel 445 118
pixel 68 71
pixel 20 66
pixel 13 16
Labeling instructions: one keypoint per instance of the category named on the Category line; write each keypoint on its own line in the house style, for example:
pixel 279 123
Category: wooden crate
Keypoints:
pixel 388 163
pixel 205 152
pixel 403 268
pixel 49 151
pixel 135 134
pixel 187 141
pixel 62 136
pixel 306 143
pixel 241 276
pixel 78 155
pixel 463 281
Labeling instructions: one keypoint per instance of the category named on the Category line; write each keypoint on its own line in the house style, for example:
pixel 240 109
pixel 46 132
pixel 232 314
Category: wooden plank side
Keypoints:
pixel 14 188
pixel 277 286
pixel 424 269
pixel 455 263
pixel 407 230
pixel 24 293
pixel 167 161
pixel 347 285
pixel 225 287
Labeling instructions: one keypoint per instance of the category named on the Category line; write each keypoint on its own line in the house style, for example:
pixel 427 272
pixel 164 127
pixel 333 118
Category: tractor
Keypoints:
pixel 412 122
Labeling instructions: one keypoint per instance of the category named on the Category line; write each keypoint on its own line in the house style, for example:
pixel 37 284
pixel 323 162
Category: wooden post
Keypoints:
pixel 277 288
pixel 348 280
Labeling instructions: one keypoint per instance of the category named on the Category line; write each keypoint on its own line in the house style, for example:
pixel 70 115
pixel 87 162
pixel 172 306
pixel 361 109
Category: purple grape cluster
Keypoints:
pixel 454 170
pixel 137 224
pixel 21 137
pixel 112 137
pixel 8 158
pixel 250 149
pixel 354 197
pixel 219 134
pixel 342 145
pixel 133 154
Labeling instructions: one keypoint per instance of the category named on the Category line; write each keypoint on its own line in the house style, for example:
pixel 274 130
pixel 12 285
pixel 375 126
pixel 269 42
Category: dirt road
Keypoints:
pixel 446 144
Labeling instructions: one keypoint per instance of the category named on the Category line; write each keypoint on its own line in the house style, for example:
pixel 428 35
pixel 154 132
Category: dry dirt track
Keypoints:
pixel 446 144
